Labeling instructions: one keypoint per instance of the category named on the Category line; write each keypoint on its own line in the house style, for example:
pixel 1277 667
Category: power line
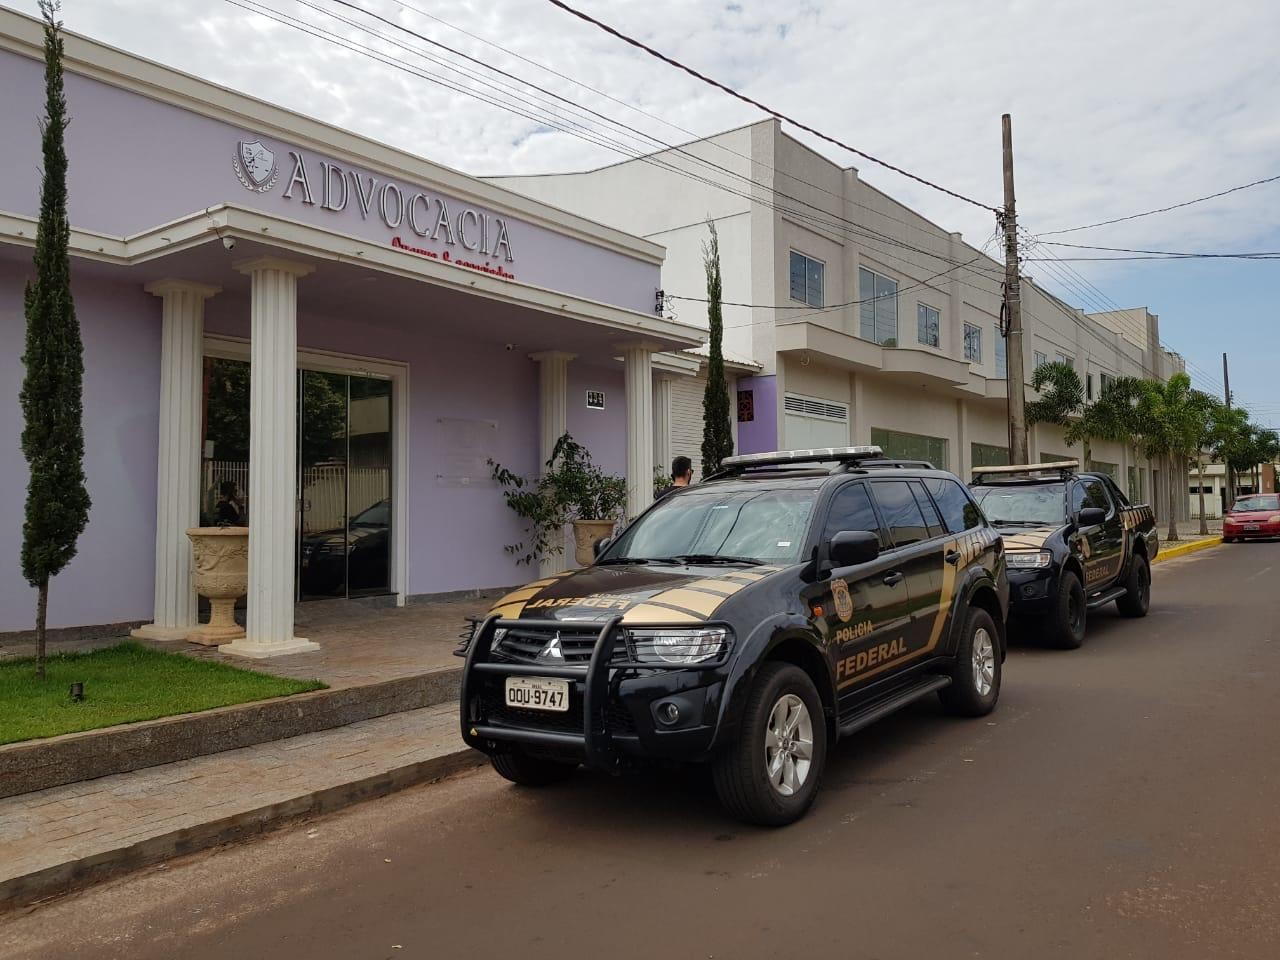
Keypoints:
pixel 769 110
pixel 1173 206
pixel 1266 254
pixel 841 225
pixel 711 141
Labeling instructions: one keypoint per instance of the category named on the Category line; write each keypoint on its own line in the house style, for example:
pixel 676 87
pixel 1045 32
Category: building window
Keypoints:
pixel 1002 358
pixel 1112 470
pixel 806 279
pixel 1063 358
pixel 911 446
pixel 879 315
pixel 926 325
pixel 1041 360
pixel 972 343
pixel 1088 386
pixel 1105 380
pixel 989 455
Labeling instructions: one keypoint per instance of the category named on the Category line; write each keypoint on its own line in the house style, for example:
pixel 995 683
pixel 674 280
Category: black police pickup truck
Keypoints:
pixel 1074 543
pixel 747 622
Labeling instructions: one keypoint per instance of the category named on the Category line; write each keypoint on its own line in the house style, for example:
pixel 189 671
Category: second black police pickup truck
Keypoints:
pixel 748 622
pixel 1074 543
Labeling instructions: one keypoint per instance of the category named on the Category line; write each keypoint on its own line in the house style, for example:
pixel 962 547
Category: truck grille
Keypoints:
pixel 525 644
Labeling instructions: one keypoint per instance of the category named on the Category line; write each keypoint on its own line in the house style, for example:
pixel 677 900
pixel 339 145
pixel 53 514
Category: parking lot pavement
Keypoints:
pixel 1119 803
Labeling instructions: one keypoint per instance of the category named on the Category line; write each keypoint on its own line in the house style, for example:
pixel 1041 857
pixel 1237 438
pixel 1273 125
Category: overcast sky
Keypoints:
pixel 1118 106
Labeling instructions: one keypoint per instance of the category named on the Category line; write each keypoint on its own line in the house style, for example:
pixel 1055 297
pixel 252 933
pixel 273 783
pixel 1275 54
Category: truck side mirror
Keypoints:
pixel 601 545
pixel 850 547
pixel 1091 517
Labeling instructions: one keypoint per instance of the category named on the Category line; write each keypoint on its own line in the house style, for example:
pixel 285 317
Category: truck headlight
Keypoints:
pixel 680 646
pixel 1029 561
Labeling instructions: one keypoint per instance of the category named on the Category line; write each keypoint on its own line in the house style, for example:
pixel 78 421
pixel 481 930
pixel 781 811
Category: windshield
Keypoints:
pixel 766 526
pixel 1042 504
pixel 1247 504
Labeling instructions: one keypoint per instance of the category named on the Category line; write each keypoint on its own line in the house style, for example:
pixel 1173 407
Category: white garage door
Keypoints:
pixel 813 422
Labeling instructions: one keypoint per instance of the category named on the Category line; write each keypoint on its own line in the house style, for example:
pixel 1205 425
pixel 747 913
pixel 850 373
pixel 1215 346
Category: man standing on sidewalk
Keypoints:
pixel 681 476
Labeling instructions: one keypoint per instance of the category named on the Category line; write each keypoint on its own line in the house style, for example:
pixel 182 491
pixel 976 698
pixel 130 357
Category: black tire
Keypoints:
pixel 741 770
pixel 1066 625
pixel 964 697
pixel 1137 599
pixel 518 767
pixel 1228 539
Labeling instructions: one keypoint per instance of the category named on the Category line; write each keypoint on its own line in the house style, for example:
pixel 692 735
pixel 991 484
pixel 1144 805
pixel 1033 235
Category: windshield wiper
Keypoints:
pixel 609 560
pixel 713 558
pixel 1021 523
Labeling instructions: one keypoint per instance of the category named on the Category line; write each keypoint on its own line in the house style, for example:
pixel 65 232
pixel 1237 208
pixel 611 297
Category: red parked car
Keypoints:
pixel 1252 517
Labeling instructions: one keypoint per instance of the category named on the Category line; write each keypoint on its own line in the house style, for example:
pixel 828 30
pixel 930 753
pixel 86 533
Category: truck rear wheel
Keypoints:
pixel 519 767
pixel 770 775
pixel 975 679
pixel 1137 598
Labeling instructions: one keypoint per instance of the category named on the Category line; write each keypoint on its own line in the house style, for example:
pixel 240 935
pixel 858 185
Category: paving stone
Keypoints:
pixel 50 828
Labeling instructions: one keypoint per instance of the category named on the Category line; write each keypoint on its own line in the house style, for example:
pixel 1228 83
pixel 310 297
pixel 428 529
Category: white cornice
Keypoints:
pixel 295 238
pixel 22 35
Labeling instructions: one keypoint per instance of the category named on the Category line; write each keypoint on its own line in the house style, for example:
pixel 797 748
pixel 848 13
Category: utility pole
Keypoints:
pixel 1226 389
pixel 1016 386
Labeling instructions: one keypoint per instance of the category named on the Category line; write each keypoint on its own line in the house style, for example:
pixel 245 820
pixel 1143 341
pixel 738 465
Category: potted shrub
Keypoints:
pixel 572 489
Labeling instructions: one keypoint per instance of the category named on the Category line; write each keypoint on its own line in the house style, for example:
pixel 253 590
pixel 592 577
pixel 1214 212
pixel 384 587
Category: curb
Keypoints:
pixel 76 874
pixel 57 761
pixel 1172 553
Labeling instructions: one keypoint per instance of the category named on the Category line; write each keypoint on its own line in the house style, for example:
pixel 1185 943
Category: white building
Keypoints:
pixel 870 324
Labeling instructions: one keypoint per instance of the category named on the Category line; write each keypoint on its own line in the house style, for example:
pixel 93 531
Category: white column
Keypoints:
pixel 638 374
pixel 273 440
pixel 553 423
pixel 178 455
pixel 662 452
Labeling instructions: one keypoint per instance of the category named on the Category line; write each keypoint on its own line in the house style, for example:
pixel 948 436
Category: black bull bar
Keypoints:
pixel 599 679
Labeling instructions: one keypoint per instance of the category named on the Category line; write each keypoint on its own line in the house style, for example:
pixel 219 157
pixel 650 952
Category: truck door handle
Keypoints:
pixel 893 579
pixel 952 557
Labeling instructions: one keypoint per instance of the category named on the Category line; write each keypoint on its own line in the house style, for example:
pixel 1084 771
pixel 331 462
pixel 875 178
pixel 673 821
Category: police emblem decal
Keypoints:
pixel 843 602
pixel 255 166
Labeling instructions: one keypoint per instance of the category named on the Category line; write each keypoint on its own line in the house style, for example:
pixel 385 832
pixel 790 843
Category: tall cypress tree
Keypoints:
pixel 717 430
pixel 53 434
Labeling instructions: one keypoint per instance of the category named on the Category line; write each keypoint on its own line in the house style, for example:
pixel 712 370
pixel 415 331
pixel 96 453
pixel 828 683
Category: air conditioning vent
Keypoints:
pixel 821 409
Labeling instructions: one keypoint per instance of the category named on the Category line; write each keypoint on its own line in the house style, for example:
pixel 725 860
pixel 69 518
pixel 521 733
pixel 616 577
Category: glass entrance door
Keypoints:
pixel 342 479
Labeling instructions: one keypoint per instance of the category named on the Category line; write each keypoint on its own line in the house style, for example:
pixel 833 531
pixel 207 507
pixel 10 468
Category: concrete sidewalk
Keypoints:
pixel 66 837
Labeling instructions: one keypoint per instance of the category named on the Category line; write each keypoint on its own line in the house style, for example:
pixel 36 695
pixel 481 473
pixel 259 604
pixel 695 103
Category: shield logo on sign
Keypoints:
pixel 844 602
pixel 256 166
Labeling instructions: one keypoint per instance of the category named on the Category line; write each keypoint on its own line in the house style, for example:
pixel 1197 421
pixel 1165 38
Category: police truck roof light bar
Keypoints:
pixel 788 457
pixel 1027 469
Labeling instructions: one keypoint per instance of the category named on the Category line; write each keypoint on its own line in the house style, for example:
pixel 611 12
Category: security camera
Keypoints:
pixel 510 347
pixel 229 242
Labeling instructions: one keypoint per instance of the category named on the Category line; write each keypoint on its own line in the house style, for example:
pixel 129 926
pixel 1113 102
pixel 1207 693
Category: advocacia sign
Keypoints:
pixel 331 187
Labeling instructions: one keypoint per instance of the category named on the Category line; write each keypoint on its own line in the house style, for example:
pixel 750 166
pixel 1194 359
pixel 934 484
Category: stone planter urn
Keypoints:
pixel 221 573
pixel 585 535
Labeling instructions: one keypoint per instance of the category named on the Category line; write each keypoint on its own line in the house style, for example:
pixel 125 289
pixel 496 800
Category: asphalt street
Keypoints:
pixel 1123 801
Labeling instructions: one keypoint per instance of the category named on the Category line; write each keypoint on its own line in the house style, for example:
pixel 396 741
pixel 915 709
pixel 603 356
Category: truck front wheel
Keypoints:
pixel 770 775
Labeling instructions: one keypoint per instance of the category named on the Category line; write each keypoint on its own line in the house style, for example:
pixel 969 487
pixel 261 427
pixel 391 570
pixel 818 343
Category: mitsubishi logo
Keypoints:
pixel 552 650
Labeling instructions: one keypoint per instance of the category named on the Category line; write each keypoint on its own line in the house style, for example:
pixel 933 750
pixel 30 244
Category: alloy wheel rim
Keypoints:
pixel 788 745
pixel 984 662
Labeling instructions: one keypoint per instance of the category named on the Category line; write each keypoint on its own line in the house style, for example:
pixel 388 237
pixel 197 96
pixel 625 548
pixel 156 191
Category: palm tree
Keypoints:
pixel 1210 412
pixel 1172 414
pixel 1061 395
pixel 1111 417
pixel 1231 443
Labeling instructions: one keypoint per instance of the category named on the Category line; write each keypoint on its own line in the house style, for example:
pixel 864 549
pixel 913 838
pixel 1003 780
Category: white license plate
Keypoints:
pixel 538 693
pixel 1252 526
